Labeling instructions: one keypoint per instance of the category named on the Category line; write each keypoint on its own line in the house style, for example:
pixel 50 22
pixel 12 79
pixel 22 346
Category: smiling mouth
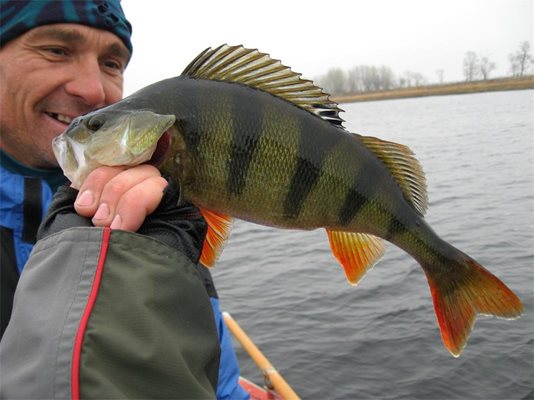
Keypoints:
pixel 60 117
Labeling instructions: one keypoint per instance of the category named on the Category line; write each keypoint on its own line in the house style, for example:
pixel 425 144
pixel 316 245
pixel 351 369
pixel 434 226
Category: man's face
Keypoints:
pixel 49 76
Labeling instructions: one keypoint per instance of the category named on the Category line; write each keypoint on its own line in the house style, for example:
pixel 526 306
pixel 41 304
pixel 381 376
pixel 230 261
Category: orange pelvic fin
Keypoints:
pixel 219 227
pixel 356 252
pixel 463 293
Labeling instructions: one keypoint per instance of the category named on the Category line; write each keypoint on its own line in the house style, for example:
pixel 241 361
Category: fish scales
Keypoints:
pixel 215 128
pixel 268 183
pixel 263 126
pixel 248 138
pixel 231 123
pixel 233 168
pixel 302 150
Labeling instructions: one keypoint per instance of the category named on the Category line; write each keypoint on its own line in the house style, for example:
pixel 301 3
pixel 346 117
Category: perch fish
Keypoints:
pixel 248 138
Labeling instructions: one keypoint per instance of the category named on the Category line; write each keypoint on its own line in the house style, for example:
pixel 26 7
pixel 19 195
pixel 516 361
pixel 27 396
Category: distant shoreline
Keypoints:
pixel 440 90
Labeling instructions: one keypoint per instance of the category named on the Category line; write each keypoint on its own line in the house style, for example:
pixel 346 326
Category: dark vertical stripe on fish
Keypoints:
pixel 245 140
pixel 311 155
pixel 191 133
pixel 355 200
pixel 395 227
pixel 188 125
pixel 304 179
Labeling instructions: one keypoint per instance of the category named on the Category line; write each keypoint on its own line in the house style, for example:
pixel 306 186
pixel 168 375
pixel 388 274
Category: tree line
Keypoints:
pixel 370 78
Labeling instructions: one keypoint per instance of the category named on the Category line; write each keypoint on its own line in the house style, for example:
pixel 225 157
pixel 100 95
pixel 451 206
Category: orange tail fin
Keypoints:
pixel 459 295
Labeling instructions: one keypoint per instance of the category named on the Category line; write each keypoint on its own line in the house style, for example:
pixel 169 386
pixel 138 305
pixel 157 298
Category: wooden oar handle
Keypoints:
pixel 280 386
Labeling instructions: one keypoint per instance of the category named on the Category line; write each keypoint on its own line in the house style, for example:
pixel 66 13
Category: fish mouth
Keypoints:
pixel 162 148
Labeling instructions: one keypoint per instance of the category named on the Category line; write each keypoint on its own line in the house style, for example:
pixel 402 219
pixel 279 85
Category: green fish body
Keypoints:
pixel 248 138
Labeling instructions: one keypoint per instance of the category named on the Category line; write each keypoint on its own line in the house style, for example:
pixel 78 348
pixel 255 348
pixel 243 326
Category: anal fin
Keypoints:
pixel 356 252
pixel 219 226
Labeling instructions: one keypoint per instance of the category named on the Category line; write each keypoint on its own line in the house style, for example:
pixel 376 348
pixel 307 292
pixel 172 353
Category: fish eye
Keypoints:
pixel 95 123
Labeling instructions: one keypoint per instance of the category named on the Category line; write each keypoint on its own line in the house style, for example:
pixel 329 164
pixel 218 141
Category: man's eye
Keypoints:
pixel 57 51
pixel 113 65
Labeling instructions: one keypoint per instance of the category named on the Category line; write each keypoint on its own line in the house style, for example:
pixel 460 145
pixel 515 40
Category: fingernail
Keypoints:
pixel 85 199
pixel 117 222
pixel 102 212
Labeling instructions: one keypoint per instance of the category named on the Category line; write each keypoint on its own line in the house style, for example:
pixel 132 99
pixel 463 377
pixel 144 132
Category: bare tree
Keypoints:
pixel 470 66
pixel 366 78
pixel 355 80
pixel 410 78
pixel 418 79
pixel 334 82
pixel 486 66
pixel 361 78
pixel 440 73
pixel 387 78
pixel 373 79
pixel 521 61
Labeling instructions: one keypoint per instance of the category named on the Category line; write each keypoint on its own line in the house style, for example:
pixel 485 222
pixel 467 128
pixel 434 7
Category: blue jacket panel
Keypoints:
pixel 12 203
pixel 229 375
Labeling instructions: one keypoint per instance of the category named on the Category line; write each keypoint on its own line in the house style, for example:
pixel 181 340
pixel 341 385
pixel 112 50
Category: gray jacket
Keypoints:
pixel 94 317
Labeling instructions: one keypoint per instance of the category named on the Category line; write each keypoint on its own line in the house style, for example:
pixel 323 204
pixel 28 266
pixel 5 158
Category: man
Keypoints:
pixel 58 60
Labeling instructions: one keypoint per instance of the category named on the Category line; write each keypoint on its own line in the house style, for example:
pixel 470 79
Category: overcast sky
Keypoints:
pixel 313 36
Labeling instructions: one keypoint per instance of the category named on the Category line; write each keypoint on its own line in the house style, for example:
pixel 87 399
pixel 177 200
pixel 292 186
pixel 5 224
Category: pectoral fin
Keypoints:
pixel 219 227
pixel 356 252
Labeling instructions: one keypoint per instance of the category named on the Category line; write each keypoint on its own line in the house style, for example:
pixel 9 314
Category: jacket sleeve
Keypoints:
pixel 109 314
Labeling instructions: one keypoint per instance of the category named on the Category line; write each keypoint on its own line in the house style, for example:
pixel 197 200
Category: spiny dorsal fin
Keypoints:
pixel 405 169
pixel 258 70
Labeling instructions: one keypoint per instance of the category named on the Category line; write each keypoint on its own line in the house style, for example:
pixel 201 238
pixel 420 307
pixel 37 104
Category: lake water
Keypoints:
pixel 380 339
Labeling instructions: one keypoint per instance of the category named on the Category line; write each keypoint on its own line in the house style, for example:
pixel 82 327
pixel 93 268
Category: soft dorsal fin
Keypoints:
pixel 404 167
pixel 258 70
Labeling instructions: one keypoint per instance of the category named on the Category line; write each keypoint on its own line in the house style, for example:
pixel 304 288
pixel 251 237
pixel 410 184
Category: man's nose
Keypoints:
pixel 87 83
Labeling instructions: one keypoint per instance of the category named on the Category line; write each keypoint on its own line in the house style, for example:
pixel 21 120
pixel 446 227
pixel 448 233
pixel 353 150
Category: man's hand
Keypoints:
pixel 120 197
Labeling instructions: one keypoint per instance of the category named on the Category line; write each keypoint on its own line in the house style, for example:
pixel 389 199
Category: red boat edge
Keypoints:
pixel 256 392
